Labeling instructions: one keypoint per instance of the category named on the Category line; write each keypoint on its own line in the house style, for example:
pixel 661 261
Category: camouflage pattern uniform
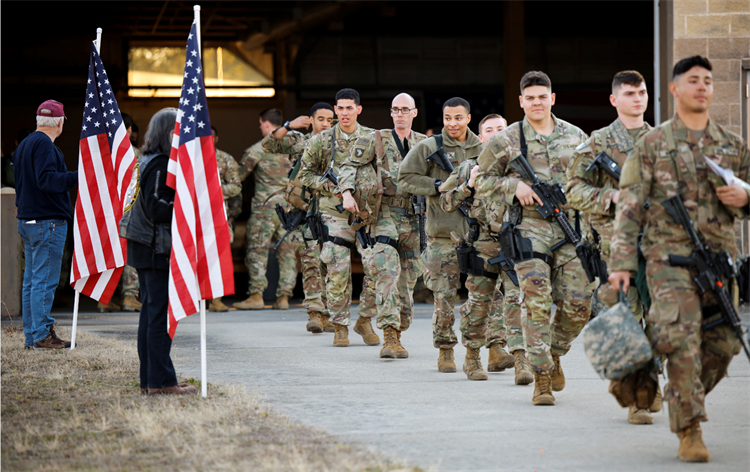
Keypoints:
pixel 591 193
pixel 294 144
pixel 316 159
pixel 668 161
pixel 231 185
pixel 270 172
pixel 482 320
pixel 418 176
pixel 563 282
pixel 129 284
pixel 392 272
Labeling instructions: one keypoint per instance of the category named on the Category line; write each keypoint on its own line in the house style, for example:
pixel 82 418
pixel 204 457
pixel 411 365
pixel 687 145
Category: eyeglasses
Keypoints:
pixel 403 111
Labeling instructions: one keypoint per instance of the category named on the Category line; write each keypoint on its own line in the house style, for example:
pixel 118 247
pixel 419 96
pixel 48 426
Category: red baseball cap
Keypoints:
pixel 51 108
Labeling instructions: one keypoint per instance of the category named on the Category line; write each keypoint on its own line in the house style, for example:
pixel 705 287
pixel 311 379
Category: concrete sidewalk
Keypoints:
pixel 407 409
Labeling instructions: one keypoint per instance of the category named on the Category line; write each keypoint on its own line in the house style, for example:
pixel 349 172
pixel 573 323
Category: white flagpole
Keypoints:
pixel 98 44
pixel 204 384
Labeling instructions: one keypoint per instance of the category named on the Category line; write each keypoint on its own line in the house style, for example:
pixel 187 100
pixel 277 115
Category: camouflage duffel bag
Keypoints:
pixel 615 343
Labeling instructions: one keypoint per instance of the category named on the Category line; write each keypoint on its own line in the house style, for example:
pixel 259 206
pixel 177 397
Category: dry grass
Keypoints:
pixel 82 410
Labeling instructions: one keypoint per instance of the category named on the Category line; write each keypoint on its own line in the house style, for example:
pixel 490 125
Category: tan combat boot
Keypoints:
pixel 315 324
pixel 253 302
pixel 473 365
pixel 341 338
pixel 656 405
pixel 282 303
pixel 692 448
pixel 523 368
pixel 363 327
pixel 401 352
pixel 557 376
pixel 110 307
pixel 446 362
pixel 389 343
pixel 499 359
pixel 639 416
pixel 327 325
pixel 217 305
pixel 542 390
pixel 130 303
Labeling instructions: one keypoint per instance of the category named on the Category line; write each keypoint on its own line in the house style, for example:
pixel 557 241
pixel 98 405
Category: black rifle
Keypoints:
pixel 419 204
pixel 591 259
pixel 288 222
pixel 439 157
pixel 363 235
pixel 465 206
pixel 552 197
pixel 508 266
pixel 711 267
pixel 605 163
pixel 331 176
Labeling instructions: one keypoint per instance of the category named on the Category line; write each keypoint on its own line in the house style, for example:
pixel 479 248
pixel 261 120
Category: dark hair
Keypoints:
pixel 347 94
pixel 127 120
pixel 457 102
pixel 158 138
pixel 273 116
pixel 135 127
pixel 688 63
pixel 320 106
pixel 491 116
pixel 627 77
pixel 535 77
pixel 216 131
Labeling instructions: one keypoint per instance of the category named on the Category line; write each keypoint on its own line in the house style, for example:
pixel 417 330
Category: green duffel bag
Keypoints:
pixel 615 343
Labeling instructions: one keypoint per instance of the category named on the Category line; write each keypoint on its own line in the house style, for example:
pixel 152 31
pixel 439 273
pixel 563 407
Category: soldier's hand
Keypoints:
pixel 620 276
pixel 526 195
pixel 734 196
pixel 473 176
pixel 349 204
pixel 301 122
pixel 616 197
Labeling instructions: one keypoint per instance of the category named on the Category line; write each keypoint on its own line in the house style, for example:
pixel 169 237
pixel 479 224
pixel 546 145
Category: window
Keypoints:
pixel 157 72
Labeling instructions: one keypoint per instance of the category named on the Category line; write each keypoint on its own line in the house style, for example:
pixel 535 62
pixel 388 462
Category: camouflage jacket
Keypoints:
pixel 548 156
pixel 363 153
pixel 292 144
pixel 417 176
pixel 591 192
pixel 454 192
pixel 667 161
pixel 316 159
pixel 270 172
pixel 229 174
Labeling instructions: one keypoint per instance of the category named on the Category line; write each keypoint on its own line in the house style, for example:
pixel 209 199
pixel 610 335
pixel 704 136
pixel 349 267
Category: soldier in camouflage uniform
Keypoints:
pixel 264 226
pixel 547 277
pixel 336 254
pixel 285 141
pixel 595 193
pixel 420 176
pixel 394 263
pixel 231 186
pixel 668 161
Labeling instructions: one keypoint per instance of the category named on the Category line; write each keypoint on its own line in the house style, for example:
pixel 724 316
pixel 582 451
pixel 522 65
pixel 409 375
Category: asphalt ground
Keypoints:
pixel 407 409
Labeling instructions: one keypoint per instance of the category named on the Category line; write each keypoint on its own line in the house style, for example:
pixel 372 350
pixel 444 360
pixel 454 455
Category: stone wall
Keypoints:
pixel 719 30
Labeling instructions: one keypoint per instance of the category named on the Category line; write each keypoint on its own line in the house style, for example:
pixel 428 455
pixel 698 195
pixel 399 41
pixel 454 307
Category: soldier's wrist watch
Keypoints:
pixel 286 125
pixel 437 185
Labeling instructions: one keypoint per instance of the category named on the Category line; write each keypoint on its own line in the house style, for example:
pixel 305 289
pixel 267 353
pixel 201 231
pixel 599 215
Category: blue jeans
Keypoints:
pixel 43 241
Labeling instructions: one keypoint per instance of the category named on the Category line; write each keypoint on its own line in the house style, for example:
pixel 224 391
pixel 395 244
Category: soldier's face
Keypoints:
pixel 630 100
pixel 403 120
pixel 490 128
pixel 455 121
pixel 322 120
pixel 266 126
pixel 537 102
pixel 694 89
pixel 347 111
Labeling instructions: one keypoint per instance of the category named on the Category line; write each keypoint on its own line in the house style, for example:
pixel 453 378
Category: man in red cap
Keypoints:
pixel 44 210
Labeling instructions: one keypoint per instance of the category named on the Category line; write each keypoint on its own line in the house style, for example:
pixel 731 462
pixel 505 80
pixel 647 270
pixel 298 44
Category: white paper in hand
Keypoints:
pixel 726 174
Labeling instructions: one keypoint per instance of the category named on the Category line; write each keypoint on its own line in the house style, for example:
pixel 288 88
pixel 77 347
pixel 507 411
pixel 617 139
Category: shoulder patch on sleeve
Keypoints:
pixel 631 172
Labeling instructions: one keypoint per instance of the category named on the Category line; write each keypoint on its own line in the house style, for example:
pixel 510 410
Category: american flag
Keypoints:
pixel 201 260
pixel 105 166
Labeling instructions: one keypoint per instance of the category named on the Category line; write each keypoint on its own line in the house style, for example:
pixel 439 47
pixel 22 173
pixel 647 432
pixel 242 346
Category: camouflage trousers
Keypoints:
pixel 483 316
pixel 514 316
pixel 312 279
pixel 562 282
pixel 441 275
pixel 390 274
pixel 129 284
pixel 696 359
pixel 263 228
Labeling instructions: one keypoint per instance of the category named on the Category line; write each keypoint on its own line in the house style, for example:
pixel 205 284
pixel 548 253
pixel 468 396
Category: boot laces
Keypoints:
pixel 543 382
pixel 447 354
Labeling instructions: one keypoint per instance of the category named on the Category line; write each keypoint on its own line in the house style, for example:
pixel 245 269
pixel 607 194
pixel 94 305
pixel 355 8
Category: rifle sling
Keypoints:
pixel 404 150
